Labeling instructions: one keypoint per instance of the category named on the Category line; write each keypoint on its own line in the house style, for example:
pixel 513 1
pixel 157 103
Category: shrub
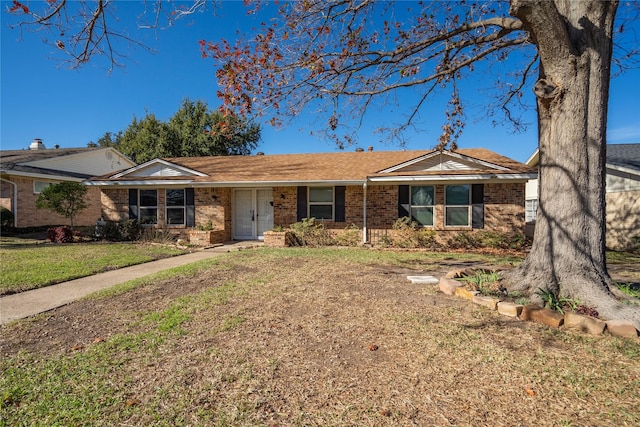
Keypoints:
pixel 6 218
pixel 127 230
pixel 157 235
pixel 406 233
pixel 464 240
pixel 350 236
pixel 488 239
pixel 308 233
pixel 61 234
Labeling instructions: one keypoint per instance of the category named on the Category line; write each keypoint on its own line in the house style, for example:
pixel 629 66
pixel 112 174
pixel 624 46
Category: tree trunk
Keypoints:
pixel 574 40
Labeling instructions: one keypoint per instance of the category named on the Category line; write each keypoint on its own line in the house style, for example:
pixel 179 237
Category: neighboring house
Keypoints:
pixel 622 197
pixel 25 173
pixel 244 196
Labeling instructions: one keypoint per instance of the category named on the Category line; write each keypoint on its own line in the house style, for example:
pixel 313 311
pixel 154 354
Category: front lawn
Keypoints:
pixel 313 337
pixel 30 264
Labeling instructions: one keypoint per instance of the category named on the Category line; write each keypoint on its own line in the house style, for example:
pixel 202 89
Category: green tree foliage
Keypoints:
pixel 65 198
pixel 192 131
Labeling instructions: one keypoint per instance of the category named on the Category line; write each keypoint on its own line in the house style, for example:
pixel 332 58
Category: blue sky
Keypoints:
pixel 40 98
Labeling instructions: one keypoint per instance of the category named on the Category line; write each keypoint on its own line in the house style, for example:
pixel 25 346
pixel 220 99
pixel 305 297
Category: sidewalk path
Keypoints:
pixel 29 303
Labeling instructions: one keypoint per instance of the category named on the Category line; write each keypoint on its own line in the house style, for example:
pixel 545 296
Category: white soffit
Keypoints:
pixel 446 161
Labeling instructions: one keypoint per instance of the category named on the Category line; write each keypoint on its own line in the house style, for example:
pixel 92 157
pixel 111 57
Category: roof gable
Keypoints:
pixel 158 168
pixel 67 162
pixel 443 161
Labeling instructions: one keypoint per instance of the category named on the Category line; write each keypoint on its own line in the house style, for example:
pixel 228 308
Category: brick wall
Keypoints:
pixel 504 208
pixel 211 204
pixel 29 216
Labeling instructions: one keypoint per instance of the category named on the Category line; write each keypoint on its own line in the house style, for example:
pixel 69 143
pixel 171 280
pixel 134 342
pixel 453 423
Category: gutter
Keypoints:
pixel 234 184
pixel 14 202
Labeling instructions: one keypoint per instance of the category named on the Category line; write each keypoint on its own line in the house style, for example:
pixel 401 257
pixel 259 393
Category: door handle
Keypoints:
pixel 253 218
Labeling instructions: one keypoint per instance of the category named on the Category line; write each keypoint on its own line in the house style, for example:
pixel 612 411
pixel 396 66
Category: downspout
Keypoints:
pixel 14 202
pixel 364 213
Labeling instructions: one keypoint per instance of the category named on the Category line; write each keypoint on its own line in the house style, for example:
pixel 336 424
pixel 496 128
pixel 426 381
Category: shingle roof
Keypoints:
pixel 341 166
pixel 624 155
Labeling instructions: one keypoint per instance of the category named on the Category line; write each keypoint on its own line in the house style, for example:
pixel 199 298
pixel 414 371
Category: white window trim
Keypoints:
pixel 333 203
pixel 411 205
pixel 49 184
pixel 468 206
pixel 183 207
pixel 530 214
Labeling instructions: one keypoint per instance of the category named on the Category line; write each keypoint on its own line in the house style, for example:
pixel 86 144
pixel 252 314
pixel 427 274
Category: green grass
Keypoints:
pixel 622 258
pixel 30 265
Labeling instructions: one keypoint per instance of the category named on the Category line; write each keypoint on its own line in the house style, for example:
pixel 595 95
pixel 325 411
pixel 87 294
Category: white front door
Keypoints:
pixel 252 213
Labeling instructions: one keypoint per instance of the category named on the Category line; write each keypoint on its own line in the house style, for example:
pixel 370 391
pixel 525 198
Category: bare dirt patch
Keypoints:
pixel 322 340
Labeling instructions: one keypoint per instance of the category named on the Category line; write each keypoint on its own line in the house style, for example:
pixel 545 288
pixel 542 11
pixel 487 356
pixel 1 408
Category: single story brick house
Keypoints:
pixel 622 196
pixel 244 196
pixel 25 173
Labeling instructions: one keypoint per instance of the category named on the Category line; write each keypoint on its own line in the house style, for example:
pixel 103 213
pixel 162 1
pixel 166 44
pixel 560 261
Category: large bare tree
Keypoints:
pixel 341 57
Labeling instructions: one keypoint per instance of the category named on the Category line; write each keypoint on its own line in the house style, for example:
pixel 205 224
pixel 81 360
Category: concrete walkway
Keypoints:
pixel 30 303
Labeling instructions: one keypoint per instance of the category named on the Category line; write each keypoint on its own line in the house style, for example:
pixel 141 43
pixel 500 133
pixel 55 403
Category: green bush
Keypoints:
pixel 6 218
pixel 118 231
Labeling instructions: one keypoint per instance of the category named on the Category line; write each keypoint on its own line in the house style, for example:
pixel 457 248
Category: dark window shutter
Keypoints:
pixel 302 202
pixel 340 202
pixel 477 206
pixel 403 201
pixel 190 207
pixel 133 203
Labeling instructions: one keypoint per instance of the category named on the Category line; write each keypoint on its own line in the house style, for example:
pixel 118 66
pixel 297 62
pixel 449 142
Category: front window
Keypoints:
pixel 40 186
pixel 321 203
pixel 148 213
pixel 457 205
pixel 422 202
pixel 175 206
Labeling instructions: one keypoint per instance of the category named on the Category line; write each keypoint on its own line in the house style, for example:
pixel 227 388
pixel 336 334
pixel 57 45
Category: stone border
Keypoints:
pixel 534 313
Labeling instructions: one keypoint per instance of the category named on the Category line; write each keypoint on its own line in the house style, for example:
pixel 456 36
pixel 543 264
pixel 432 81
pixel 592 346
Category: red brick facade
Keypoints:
pixel 26 214
pixel 503 208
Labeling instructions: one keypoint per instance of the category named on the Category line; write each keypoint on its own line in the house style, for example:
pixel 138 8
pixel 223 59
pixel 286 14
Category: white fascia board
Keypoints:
pixel 44 177
pixel 622 169
pixel 254 184
pixel 235 184
pixel 156 161
pixel 445 153
pixel 154 183
pixel 533 159
pixel 454 178
pixel 410 162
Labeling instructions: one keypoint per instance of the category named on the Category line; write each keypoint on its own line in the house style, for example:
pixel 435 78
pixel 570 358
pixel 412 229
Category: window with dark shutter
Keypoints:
pixel 133 203
pixel 403 201
pixel 190 207
pixel 340 203
pixel 302 202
